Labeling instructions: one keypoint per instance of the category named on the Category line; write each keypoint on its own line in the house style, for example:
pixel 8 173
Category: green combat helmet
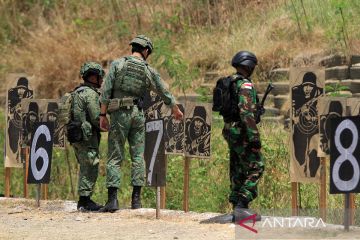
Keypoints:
pixel 89 68
pixel 143 41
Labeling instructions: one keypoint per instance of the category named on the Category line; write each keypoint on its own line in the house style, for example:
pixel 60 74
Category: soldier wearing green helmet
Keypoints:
pixel 125 86
pixel 85 115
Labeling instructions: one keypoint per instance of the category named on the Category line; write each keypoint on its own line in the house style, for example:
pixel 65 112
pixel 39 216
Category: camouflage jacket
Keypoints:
pixel 86 109
pixel 247 107
pixel 150 81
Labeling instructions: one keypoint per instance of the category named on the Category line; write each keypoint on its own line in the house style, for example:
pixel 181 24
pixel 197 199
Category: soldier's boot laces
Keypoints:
pixel 136 197
pixel 112 204
pixel 86 204
pixel 242 211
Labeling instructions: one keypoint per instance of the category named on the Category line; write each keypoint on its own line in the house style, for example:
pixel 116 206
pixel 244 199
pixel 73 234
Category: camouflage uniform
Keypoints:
pixel 129 77
pixel 86 109
pixel 246 166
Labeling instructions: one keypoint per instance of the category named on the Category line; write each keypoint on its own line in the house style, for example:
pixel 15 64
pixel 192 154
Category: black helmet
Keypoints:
pixel 309 77
pixel 244 58
pixel 23 82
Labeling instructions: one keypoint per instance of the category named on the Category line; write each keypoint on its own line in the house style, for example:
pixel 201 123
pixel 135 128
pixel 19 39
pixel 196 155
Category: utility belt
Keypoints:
pixel 124 103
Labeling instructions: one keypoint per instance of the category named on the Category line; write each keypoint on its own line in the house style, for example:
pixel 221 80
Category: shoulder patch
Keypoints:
pixel 247 85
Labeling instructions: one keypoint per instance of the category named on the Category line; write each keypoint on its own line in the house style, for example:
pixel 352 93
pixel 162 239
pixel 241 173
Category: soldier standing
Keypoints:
pixel 125 86
pixel 242 136
pixel 85 115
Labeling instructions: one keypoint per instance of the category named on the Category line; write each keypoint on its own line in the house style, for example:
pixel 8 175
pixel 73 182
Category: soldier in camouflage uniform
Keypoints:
pixel 246 160
pixel 85 111
pixel 125 86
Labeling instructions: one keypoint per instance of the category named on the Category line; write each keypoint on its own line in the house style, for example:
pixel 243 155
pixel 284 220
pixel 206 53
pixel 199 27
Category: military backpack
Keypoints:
pixel 225 98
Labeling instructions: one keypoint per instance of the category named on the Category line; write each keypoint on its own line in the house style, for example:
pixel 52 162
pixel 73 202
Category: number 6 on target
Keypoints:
pixel 41 153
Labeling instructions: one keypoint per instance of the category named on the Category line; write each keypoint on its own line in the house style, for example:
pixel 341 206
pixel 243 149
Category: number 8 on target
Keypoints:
pixel 41 153
pixel 345 155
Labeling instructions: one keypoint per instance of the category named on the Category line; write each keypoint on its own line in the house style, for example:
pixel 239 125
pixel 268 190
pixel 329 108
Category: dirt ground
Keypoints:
pixel 21 219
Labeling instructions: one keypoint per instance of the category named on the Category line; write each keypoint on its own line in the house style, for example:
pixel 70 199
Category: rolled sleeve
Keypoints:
pixel 157 85
pixel 108 85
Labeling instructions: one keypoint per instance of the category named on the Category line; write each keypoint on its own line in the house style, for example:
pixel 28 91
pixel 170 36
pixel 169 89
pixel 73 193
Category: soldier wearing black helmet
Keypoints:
pixel 242 136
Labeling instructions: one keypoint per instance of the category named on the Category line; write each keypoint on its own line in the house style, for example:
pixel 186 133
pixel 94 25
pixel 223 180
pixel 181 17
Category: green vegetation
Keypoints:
pixel 209 179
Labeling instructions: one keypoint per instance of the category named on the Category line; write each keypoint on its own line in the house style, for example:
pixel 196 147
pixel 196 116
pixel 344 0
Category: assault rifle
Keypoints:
pixel 260 110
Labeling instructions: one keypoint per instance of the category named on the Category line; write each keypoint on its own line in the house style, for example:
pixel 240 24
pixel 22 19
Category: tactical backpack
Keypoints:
pixel 72 128
pixel 225 98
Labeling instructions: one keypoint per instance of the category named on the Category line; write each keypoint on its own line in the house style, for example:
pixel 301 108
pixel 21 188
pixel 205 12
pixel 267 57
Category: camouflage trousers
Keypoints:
pixel 246 168
pixel 126 124
pixel 87 155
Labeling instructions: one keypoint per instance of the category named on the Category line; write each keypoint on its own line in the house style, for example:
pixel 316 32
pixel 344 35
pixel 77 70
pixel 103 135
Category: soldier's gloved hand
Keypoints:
pixel 254 146
pixel 104 124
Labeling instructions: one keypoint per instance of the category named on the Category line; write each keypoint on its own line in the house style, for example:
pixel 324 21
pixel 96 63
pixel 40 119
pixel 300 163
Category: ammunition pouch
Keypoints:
pixel 124 103
pixel 74 132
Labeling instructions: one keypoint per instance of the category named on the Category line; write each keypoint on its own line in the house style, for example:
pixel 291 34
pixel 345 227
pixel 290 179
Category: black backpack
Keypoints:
pixel 225 98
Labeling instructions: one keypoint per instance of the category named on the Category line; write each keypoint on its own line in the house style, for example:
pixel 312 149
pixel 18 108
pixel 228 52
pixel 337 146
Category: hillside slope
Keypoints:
pixel 51 39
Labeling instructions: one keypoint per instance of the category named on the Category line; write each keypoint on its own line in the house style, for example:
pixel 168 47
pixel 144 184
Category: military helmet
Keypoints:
pixel 89 68
pixel 22 82
pixel 244 58
pixel 309 78
pixel 143 41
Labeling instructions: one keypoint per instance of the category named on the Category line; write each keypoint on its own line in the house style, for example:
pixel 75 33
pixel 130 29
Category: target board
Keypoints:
pixel 154 153
pixel 345 155
pixel 174 133
pixel 40 153
pixel 41 110
pixel 329 107
pixel 13 131
pixel 306 86
pixel 354 105
pixel 198 130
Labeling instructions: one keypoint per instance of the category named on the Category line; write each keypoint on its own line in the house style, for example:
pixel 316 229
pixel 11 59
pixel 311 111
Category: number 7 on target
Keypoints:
pixel 154 152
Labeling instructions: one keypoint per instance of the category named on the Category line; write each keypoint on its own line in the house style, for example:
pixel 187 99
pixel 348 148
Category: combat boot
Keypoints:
pixel 86 204
pixel 112 204
pixel 242 211
pixel 136 197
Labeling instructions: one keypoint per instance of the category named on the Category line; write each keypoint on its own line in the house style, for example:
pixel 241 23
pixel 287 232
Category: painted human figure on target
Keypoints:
pixel 305 123
pixel 335 110
pixel 15 95
pixel 198 133
pixel 30 119
pixel 52 116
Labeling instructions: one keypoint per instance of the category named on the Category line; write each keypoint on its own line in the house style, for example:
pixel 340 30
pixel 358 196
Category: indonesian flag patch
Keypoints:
pixel 247 85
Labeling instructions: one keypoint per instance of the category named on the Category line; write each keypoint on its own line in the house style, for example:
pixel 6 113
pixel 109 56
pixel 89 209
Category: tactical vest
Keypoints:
pixel 132 79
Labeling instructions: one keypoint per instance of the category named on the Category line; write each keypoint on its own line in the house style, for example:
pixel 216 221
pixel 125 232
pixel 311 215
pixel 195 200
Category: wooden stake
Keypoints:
pixel 186 184
pixel 44 190
pixel 26 171
pixel 352 209
pixel 294 198
pixel 157 202
pixel 322 200
pixel 163 197
pixel 347 212
pixel 38 194
pixel 7 181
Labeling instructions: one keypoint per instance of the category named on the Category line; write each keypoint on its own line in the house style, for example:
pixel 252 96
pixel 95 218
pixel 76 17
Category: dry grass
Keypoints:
pixel 51 41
